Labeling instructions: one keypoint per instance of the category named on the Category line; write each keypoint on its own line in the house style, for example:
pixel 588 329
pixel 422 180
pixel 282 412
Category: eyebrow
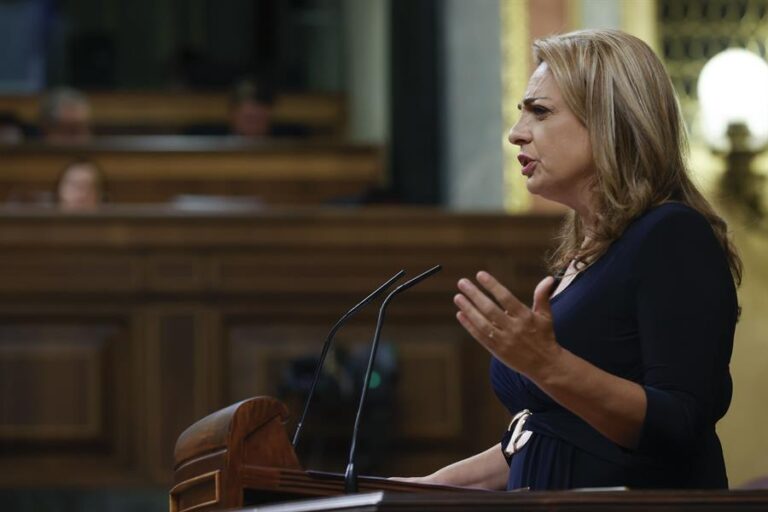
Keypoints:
pixel 528 101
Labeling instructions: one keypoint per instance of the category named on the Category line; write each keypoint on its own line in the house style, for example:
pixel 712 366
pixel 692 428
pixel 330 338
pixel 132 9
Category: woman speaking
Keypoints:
pixel 618 372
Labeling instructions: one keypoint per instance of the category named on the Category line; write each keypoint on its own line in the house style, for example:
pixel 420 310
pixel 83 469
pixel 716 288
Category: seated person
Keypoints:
pixel 80 186
pixel 11 129
pixel 65 117
pixel 251 105
pixel 250 110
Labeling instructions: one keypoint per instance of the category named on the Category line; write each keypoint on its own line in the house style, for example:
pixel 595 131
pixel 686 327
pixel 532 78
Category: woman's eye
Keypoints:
pixel 539 111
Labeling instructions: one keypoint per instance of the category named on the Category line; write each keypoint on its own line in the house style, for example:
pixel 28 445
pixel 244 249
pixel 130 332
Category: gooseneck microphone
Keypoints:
pixel 350 476
pixel 329 339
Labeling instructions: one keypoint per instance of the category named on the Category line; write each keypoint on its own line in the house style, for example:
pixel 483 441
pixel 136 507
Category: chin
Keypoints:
pixel 535 188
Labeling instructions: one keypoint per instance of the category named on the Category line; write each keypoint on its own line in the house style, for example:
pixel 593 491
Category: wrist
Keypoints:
pixel 553 367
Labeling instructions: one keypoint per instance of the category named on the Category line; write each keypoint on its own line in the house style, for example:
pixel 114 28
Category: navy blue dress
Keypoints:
pixel 658 308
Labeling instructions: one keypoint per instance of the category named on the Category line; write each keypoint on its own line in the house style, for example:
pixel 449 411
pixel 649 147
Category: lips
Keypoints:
pixel 528 163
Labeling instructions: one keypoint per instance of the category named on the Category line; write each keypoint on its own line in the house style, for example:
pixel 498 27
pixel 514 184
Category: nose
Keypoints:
pixel 519 134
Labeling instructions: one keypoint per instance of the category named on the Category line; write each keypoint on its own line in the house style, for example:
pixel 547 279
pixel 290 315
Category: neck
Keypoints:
pixel 587 217
pixel 583 204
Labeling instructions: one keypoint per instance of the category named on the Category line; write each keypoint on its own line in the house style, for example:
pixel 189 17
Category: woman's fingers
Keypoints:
pixel 483 313
pixel 485 338
pixel 478 298
pixel 509 302
pixel 478 319
pixel 521 338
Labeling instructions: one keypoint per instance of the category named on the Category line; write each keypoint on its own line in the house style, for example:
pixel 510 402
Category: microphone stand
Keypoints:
pixel 318 370
pixel 350 476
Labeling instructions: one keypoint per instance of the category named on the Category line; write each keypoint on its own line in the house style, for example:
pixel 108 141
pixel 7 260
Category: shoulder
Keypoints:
pixel 670 213
pixel 670 223
pixel 678 238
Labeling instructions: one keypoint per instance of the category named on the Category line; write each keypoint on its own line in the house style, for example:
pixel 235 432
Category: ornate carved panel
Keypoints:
pixel 53 382
pixel 120 329
pixel 65 397
pixel 177 371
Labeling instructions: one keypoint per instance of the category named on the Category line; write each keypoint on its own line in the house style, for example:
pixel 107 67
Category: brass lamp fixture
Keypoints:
pixel 733 96
pixel 740 184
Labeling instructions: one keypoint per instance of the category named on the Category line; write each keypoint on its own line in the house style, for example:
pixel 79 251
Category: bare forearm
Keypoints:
pixel 524 339
pixel 487 470
pixel 614 406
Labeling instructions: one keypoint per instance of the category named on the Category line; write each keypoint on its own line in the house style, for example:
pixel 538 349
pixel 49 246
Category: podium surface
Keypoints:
pixel 241 457
pixel 562 501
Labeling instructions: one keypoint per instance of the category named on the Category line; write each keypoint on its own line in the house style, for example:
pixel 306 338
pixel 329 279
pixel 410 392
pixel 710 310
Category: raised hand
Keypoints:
pixel 521 337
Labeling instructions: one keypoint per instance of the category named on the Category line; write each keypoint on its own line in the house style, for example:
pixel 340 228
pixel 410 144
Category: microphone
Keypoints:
pixel 327 345
pixel 350 476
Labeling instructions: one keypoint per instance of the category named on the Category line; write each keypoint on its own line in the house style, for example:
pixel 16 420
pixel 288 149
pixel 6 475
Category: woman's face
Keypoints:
pixel 79 188
pixel 555 150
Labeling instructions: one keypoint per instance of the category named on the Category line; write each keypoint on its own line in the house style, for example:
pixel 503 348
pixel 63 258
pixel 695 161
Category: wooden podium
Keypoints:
pixel 241 456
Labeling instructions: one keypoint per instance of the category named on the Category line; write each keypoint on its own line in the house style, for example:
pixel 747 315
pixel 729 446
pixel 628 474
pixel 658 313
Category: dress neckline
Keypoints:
pixel 610 248
pixel 555 297
pixel 578 275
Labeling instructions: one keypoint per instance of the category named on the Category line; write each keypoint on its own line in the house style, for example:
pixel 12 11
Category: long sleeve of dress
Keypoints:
pixel 686 306
pixel 658 308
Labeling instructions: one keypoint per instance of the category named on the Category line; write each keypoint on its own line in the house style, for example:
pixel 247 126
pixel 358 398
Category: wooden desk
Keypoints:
pixel 119 330
pixel 242 456
pixel 162 112
pixel 622 501
pixel 156 169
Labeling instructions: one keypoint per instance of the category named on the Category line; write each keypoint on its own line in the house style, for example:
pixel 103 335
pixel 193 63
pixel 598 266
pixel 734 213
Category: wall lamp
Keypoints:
pixel 733 98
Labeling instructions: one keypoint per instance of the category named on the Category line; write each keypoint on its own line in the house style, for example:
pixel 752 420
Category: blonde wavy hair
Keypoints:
pixel 617 87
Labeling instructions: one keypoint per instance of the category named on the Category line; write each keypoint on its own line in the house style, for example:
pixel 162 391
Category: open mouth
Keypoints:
pixel 528 164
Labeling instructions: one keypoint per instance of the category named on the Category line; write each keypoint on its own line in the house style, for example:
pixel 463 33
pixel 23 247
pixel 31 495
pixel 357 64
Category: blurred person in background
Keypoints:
pixel 80 186
pixel 251 115
pixel 11 129
pixel 250 106
pixel 66 117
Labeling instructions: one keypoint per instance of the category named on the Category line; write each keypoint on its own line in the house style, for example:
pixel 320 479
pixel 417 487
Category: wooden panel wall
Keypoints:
pixel 166 111
pixel 119 329
pixel 157 169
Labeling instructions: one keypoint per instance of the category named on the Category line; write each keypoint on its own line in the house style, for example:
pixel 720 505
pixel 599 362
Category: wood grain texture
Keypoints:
pixel 206 308
pixel 157 169
pixel 176 109
pixel 621 501
pixel 270 479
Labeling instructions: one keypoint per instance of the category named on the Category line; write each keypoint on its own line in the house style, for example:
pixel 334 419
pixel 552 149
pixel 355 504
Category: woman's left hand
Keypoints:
pixel 523 338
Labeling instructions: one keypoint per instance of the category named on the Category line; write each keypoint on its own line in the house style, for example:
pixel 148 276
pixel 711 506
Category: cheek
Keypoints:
pixel 573 152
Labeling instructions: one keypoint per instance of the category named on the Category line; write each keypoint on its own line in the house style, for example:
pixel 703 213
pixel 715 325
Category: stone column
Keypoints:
pixel 473 131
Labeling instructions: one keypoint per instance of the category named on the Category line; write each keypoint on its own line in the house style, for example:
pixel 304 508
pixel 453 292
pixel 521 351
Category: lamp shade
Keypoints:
pixel 733 88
